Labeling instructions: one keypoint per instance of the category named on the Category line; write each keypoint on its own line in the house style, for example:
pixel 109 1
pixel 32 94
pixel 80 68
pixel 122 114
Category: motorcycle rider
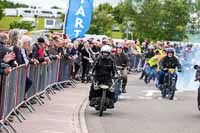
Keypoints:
pixel 104 70
pixel 168 62
pixel 121 60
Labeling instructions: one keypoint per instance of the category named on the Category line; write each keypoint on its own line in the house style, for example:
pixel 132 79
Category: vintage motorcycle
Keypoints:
pixel 169 87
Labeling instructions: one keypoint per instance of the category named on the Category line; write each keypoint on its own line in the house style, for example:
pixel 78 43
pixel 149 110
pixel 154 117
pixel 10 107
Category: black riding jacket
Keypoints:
pixel 167 62
pixel 104 69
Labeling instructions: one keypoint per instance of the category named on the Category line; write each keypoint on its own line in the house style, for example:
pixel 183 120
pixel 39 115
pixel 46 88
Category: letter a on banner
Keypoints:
pixel 78 18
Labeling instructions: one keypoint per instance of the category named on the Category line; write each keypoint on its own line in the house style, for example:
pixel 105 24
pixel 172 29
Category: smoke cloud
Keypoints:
pixel 188 58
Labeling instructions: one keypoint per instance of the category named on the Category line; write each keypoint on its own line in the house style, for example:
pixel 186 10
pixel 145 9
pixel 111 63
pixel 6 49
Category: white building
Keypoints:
pixel 31 12
pixel 10 12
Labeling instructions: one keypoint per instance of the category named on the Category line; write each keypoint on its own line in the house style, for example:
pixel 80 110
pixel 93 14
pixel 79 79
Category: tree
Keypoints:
pixel 55 7
pixel 105 7
pixel 102 20
pixel 148 21
pixel 123 11
pixel 1 12
pixel 162 20
pixel 8 4
pixel 21 25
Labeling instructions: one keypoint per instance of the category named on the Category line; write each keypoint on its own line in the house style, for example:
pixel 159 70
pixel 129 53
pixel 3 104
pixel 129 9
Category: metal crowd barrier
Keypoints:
pixel 65 73
pixel 44 78
pixel 1 99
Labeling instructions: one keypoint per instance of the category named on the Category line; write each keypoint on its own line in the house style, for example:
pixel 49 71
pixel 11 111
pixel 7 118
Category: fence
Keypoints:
pixel 44 78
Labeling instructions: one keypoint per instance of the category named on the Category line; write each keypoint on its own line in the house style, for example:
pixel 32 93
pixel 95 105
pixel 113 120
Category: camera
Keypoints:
pixel 3 65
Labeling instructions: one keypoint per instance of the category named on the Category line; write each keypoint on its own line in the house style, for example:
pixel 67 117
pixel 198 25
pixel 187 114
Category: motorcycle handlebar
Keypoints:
pixel 197 67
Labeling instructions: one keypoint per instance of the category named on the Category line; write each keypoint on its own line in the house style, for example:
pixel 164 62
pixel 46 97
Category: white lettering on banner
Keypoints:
pixel 77 32
pixel 81 11
pixel 79 23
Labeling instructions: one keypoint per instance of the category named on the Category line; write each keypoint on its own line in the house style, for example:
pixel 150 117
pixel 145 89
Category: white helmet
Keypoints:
pixel 119 46
pixel 106 48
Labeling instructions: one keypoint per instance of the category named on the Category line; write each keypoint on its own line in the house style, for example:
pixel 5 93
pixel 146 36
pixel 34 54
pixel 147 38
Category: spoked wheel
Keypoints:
pixel 102 103
pixel 199 107
pixel 163 91
pixel 198 98
pixel 172 93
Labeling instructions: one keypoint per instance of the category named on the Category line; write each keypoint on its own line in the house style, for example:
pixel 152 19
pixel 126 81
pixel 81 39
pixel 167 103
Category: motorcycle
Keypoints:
pixel 169 86
pixel 197 78
pixel 103 102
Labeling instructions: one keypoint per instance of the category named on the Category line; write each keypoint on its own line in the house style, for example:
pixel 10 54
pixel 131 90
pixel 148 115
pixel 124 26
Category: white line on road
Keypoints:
pixel 145 98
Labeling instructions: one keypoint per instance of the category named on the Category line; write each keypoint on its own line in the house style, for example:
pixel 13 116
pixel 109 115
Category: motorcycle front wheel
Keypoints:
pixel 172 91
pixel 102 103
pixel 163 91
pixel 198 98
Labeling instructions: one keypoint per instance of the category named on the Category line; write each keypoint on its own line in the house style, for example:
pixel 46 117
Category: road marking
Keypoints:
pixel 145 98
pixel 123 97
pixel 148 94
pixel 48 131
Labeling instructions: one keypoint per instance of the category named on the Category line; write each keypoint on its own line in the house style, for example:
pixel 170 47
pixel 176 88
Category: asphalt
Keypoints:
pixel 142 110
pixel 60 115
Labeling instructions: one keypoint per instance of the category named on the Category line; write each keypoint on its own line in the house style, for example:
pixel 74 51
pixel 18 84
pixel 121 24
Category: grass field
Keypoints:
pixel 117 35
pixel 5 22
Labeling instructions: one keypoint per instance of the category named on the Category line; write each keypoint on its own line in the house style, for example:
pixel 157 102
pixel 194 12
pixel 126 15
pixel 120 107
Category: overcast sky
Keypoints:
pixel 60 3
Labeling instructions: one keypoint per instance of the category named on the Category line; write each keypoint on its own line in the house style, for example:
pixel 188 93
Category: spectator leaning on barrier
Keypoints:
pixel 52 48
pixel 5 68
pixel 51 51
pixel 4 51
pixel 38 51
pixel 25 50
pixel 14 43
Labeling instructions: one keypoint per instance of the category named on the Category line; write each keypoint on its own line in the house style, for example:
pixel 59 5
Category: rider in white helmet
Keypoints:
pixel 106 50
pixel 104 71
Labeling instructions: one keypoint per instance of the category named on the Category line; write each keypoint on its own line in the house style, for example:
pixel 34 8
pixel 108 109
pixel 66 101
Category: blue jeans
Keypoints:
pixel 136 61
pixel 132 60
pixel 117 89
pixel 153 73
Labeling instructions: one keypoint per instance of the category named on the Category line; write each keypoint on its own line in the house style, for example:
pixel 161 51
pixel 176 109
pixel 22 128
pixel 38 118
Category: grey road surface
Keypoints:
pixel 142 110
